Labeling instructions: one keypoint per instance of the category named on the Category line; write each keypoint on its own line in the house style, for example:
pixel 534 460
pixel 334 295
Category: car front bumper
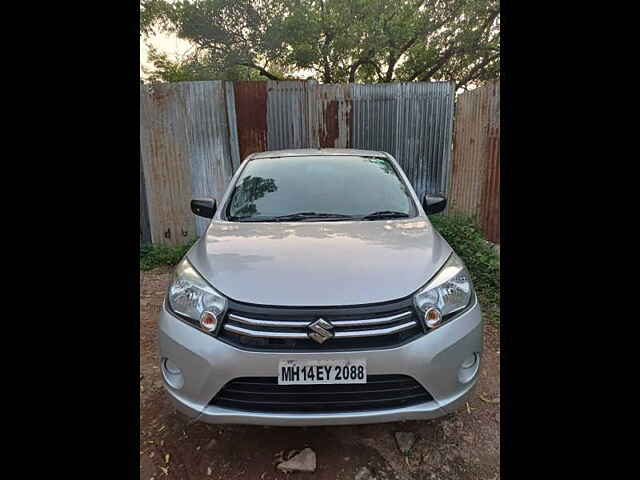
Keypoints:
pixel 434 360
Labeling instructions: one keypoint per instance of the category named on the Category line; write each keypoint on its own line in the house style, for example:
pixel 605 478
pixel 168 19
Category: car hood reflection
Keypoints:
pixel 319 263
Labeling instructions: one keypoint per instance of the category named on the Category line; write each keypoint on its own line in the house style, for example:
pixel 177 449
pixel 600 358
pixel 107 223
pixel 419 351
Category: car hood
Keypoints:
pixel 319 263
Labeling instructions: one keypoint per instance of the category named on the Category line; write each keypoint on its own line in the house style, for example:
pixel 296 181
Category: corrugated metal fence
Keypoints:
pixel 187 151
pixel 193 135
pixel 411 121
pixel 145 232
pixel 475 175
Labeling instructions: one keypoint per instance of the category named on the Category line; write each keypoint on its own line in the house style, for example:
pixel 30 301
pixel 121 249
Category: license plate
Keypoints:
pixel 320 372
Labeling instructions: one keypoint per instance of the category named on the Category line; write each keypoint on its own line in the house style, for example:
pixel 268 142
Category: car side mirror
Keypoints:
pixel 433 204
pixel 204 207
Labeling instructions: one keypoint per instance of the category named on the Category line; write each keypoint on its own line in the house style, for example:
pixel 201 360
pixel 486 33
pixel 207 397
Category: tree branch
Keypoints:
pixel 437 66
pixel 424 31
pixel 391 65
pixel 352 71
pixel 473 74
pixel 426 75
pixel 262 71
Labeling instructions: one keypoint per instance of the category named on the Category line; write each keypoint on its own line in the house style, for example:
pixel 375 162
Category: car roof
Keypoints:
pixel 303 152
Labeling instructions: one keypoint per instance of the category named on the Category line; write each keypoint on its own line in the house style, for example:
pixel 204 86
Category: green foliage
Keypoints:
pixel 154 16
pixel 479 256
pixel 337 40
pixel 152 255
pixel 192 69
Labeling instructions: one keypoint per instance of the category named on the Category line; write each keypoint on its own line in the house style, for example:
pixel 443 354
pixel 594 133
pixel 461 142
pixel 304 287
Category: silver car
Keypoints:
pixel 320 294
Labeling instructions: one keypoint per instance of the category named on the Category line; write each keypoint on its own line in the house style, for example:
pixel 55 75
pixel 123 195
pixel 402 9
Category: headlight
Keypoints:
pixel 192 297
pixel 448 292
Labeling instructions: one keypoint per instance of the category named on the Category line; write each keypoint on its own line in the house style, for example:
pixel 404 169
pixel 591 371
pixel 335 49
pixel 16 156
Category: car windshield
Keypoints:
pixel 306 188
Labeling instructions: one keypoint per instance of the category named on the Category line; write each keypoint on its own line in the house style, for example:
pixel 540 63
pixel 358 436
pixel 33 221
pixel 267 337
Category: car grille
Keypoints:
pixel 287 328
pixel 264 395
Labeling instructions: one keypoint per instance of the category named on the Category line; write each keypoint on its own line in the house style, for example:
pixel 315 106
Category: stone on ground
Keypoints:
pixel 305 461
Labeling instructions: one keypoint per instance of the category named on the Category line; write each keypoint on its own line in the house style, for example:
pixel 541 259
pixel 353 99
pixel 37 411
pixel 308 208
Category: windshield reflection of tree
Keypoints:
pixel 387 168
pixel 384 165
pixel 251 189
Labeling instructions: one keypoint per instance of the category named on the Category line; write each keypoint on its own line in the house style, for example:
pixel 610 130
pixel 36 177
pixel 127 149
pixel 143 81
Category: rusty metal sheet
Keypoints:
pixel 490 203
pixel 468 167
pixel 167 170
pixel 251 117
pixel 184 141
pixel 194 135
pixel 475 175
pixel 330 115
pixel 145 232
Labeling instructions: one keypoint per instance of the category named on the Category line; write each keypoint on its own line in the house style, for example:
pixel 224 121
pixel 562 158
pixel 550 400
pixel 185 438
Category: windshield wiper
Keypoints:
pixel 251 218
pixel 293 217
pixel 309 215
pixel 385 214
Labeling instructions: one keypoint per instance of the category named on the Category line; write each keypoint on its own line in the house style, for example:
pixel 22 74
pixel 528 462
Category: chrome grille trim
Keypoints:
pixel 261 333
pixel 266 323
pixel 377 331
pixel 275 328
pixel 302 324
pixel 373 321
pixel 338 334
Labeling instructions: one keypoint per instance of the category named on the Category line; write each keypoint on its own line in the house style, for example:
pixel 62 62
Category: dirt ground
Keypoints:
pixel 464 445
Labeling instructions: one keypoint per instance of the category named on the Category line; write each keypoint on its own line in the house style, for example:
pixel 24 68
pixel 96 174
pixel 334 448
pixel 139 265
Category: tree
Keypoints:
pixel 338 40
pixel 192 68
pixel 152 15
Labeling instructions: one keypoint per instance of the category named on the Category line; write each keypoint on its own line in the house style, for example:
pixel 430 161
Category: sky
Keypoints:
pixel 170 44
pixel 176 48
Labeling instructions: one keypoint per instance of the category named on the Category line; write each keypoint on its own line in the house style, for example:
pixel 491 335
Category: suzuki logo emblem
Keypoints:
pixel 322 330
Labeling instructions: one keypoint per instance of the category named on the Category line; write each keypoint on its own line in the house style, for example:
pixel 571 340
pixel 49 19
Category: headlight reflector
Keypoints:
pixel 448 292
pixel 192 297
